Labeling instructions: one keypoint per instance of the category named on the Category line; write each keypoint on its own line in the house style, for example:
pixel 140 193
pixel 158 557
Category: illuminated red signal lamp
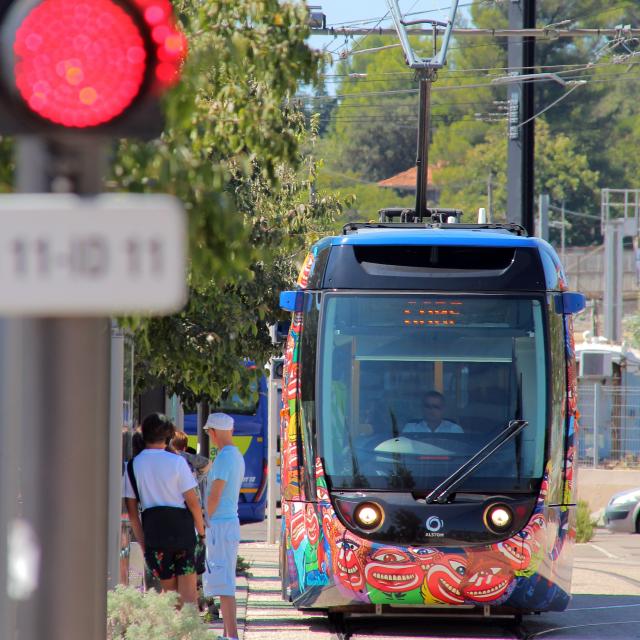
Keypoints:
pixel 87 65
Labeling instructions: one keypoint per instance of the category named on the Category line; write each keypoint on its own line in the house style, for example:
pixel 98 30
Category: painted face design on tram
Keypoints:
pixel 297 525
pixel 347 562
pixel 393 571
pixel 311 523
pixel 444 580
pixel 322 493
pixel 486 579
pixel 305 272
pixel 425 556
pixel 292 381
pixel 533 535
pixel 513 552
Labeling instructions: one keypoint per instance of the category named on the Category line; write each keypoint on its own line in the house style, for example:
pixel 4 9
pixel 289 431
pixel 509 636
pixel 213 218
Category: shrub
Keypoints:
pixel 132 615
pixel 584 524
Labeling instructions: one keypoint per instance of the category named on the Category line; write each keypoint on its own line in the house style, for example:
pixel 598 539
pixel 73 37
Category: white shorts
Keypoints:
pixel 223 539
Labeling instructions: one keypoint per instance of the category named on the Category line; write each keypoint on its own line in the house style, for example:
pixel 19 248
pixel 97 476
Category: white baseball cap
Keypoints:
pixel 220 421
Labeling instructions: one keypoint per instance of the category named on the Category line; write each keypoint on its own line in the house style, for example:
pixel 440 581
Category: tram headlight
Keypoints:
pixel 498 517
pixel 368 515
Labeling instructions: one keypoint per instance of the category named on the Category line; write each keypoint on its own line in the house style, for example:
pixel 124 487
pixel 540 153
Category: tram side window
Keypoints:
pixel 307 421
pixel 558 399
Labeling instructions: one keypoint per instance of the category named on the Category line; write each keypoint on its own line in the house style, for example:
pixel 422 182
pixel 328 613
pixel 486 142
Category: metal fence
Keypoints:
pixel 609 427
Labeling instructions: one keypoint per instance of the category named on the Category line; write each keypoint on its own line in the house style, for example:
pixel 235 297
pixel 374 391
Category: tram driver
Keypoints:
pixel 433 421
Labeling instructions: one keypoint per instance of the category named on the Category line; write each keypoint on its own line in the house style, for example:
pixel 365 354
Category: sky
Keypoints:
pixel 372 13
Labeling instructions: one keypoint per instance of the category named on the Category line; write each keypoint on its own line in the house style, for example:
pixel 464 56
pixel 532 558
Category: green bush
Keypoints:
pixel 132 615
pixel 584 524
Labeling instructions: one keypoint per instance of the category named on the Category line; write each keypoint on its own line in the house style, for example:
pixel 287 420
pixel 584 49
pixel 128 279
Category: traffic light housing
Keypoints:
pixel 87 66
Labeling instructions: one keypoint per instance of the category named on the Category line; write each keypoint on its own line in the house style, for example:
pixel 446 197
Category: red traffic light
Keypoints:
pixel 83 63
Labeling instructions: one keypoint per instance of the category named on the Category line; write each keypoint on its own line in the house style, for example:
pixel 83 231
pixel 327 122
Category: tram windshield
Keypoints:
pixel 411 386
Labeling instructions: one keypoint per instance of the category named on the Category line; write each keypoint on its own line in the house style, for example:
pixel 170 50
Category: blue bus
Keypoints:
pixel 250 436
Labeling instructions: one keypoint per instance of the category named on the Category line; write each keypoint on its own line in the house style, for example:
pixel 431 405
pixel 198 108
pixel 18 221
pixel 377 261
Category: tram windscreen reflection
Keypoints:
pixel 410 387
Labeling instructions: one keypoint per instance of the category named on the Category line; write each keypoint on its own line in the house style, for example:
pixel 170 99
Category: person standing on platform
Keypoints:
pixel 225 480
pixel 164 487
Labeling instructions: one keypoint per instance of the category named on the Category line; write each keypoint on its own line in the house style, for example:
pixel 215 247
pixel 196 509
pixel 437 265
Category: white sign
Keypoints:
pixel 102 255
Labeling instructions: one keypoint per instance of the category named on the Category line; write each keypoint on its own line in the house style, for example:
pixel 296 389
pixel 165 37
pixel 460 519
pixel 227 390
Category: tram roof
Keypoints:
pixel 367 258
pixel 436 236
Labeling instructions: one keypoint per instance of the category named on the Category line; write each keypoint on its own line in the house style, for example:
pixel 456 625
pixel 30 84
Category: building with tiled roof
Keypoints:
pixel 405 182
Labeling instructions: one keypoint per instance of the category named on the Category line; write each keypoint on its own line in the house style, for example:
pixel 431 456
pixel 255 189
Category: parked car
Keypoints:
pixel 623 511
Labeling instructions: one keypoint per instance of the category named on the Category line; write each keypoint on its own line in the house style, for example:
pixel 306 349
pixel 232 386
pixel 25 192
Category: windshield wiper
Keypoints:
pixel 442 492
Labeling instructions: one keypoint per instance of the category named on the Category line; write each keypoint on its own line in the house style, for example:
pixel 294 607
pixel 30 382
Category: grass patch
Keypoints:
pixel 584 524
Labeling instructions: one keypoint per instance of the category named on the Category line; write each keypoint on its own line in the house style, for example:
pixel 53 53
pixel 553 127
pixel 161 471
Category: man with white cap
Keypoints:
pixel 225 480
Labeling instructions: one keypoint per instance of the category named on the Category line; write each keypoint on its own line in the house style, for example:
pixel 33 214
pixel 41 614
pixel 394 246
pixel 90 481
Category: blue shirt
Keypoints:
pixel 228 466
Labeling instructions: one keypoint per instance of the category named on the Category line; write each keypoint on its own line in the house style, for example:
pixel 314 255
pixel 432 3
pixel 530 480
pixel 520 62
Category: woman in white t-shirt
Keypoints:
pixel 164 479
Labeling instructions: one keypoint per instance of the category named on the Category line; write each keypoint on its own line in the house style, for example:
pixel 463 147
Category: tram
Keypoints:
pixel 383 510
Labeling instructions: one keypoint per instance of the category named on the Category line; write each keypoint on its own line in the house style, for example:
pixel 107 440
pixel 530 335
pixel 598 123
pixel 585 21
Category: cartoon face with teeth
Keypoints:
pixel 487 579
pixel 444 580
pixel 392 570
pixel 513 552
pixel 347 564
pixel 425 556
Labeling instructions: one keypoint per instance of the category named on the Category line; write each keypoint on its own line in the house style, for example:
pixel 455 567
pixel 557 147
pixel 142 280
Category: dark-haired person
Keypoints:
pixel 197 463
pixel 163 479
pixel 433 421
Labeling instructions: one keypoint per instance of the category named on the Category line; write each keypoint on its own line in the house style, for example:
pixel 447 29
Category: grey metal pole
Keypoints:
pixel 12 590
pixel 543 216
pixel 60 400
pixel 272 459
pixel 562 235
pixel 521 138
pixel 116 401
pixel 595 425
pixel 613 273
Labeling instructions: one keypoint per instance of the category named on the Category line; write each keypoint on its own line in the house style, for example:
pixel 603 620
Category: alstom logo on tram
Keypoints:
pixel 429 420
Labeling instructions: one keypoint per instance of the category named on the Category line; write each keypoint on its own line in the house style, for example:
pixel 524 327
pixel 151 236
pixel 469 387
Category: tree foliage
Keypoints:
pixel 199 352
pixel 560 171
pixel 232 153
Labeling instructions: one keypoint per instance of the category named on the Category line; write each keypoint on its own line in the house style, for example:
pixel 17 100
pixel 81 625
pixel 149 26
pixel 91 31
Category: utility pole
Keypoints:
pixel 521 139
pixel 490 197
pixel 562 233
pixel 543 216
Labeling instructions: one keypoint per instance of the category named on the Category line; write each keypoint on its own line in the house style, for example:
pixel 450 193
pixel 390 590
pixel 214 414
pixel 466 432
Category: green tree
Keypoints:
pixel 561 171
pixel 231 152
pixel 199 352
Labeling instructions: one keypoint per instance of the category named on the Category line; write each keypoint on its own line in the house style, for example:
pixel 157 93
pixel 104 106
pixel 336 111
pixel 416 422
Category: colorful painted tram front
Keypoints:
pixel 377 510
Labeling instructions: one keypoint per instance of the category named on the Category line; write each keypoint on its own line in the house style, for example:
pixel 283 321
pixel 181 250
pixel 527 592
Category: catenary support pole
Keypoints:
pixel 59 401
pixel 521 136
